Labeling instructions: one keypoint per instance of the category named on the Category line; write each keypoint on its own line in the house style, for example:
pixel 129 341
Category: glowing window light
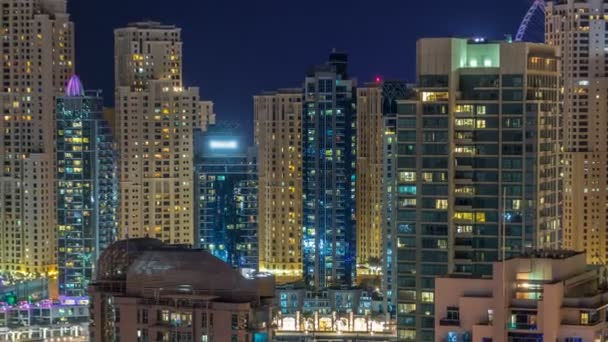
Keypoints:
pixel 223 144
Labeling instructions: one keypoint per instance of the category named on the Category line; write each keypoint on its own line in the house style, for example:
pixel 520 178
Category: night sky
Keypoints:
pixel 234 49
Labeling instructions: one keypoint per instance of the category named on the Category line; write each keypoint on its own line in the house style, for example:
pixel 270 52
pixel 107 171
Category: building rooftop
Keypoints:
pixel 150 264
pixel 155 25
pixel 555 254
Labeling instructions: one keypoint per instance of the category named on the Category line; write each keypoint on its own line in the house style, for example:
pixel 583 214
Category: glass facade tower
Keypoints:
pixel 329 149
pixel 226 201
pixel 473 167
pixel 87 187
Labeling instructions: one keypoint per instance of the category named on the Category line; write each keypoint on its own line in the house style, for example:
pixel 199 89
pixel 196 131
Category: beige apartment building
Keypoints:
pixel 155 116
pixel 278 136
pixel 540 296
pixel 37 61
pixel 579 29
pixel 370 162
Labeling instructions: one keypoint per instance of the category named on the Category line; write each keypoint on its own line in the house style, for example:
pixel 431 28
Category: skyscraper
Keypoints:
pixel 156 116
pixel 226 205
pixel 278 138
pixel 475 162
pixel 578 29
pixel 374 102
pixel 37 61
pixel 87 187
pixel 328 167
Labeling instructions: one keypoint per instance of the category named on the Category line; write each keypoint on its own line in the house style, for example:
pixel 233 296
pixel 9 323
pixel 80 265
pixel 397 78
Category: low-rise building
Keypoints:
pixel 148 291
pixel 44 320
pixel 540 296
pixel 331 314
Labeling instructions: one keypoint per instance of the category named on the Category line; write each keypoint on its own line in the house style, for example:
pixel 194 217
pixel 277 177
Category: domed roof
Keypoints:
pixel 74 87
pixel 149 263
pixel 116 259
pixel 197 270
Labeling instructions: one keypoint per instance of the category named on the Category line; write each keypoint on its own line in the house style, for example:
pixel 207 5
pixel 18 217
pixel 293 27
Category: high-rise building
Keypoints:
pixel 375 101
pixel 540 296
pixel 328 167
pixel 278 138
pixel 475 163
pixel 226 202
pixel 156 116
pixel 37 61
pixel 578 29
pixel 87 187
pixel 146 290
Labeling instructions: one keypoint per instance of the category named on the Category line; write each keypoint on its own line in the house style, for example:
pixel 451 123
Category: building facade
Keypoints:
pixel 36 33
pixel 87 187
pixel 146 291
pixel 332 314
pixel 375 101
pixel 328 167
pixel 156 116
pixel 578 29
pixel 45 320
pixel 226 199
pixel 541 296
pixel 278 139
pixel 476 161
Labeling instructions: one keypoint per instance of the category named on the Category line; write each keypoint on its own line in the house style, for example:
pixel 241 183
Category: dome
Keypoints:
pixel 196 269
pixel 74 87
pixel 116 259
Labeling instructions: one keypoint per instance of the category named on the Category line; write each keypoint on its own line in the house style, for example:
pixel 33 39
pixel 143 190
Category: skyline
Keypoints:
pixel 261 58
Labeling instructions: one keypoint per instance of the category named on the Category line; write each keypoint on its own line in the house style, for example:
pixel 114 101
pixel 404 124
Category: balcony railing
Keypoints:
pixel 449 322
pixel 521 326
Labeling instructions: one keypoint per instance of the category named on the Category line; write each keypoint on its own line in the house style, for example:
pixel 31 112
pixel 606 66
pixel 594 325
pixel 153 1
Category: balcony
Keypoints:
pixel 521 326
pixel 591 302
pixel 449 322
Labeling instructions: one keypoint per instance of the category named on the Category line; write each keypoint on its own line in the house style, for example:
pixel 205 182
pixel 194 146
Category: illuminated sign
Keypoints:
pixel 223 144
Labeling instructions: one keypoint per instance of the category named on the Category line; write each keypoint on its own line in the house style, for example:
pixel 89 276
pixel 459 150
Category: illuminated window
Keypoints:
pixel 427 176
pixel 441 204
pixel 465 149
pixel 480 217
pixel 460 229
pixel 516 204
pixel 465 123
pixel 434 96
pixel 465 190
pixel 463 216
pixel 481 110
pixel 464 109
pixel 407 176
pixel 406 308
pixel 407 203
pixel 407 189
pixel 481 124
pixel 427 297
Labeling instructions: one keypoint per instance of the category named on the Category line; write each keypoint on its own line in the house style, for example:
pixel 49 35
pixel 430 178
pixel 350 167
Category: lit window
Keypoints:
pixel 465 123
pixel 427 176
pixel 441 204
pixel 407 176
pixel 434 96
pixel 463 216
pixel 464 109
pixel 427 297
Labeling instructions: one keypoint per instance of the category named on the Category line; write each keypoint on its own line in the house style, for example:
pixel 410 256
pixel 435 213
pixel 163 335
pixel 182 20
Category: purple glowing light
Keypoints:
pixel 74 87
